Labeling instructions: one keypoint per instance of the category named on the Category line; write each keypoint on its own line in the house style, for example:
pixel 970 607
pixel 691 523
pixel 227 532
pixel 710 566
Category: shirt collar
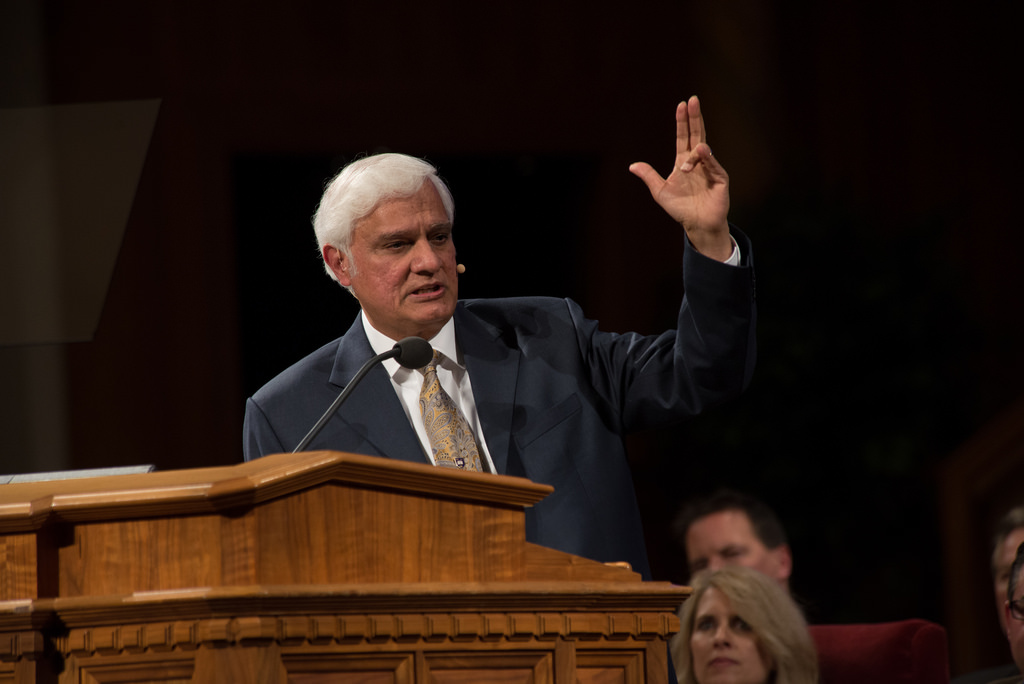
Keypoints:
pixel 443 341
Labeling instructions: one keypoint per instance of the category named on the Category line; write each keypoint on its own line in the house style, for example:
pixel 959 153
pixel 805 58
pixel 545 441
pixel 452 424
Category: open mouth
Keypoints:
pixel 427 290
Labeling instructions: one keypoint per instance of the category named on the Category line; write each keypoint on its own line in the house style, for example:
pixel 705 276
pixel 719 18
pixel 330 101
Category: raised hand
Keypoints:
pixel 696 193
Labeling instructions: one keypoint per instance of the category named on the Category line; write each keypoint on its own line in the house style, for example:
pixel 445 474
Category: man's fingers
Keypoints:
pixel 689 127
pixel 701 154
pixel 682 129
pixel 695 156
pixel 645 172
pixel 695 122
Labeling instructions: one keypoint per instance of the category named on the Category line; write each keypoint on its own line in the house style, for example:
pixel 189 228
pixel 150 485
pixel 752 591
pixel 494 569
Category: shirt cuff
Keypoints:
pixel 734 258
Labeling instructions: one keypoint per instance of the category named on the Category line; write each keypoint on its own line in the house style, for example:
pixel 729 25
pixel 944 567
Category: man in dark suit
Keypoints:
pixel 1008 536
pixel 1013 609
pixel 541 392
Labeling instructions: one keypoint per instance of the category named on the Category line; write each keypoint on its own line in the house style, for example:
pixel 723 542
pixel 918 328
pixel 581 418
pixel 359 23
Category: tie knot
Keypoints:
pixel 432 366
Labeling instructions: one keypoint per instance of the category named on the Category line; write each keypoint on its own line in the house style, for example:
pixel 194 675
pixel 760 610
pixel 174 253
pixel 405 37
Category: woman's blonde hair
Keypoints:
pixel 772 615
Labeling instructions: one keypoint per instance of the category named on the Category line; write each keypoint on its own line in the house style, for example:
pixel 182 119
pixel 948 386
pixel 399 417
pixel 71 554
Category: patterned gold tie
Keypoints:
pixel 450 437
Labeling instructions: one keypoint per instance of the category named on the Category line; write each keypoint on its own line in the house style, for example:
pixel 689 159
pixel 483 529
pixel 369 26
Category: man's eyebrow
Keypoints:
pixel 412 230
pixel 395 234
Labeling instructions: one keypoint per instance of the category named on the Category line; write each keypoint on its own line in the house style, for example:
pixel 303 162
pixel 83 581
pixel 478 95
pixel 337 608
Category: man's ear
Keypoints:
pixel 784 562
pixel 339 264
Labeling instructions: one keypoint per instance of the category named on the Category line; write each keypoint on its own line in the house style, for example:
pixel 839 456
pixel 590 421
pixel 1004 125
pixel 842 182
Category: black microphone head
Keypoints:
pixel 414 352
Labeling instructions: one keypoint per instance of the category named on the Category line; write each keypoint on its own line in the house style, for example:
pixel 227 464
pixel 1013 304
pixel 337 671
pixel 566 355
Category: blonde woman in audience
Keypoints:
pixel 742 628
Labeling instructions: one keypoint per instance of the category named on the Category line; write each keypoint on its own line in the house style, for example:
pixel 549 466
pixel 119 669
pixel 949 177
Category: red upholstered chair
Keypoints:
pixel 905 652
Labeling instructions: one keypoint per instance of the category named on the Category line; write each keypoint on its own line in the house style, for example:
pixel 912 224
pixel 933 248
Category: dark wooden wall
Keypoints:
pixel 874 154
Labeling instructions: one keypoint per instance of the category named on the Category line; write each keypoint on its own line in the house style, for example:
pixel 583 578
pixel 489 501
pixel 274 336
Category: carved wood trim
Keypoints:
pixel 647 599
pixel 536 663
pixel 18 645
pixel 514 630
pixel 310 668
pixel 165 668
pixel 536 667
pixel 604 666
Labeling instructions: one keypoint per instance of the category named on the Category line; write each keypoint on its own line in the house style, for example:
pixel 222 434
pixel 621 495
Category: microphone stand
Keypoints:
pixel 412 352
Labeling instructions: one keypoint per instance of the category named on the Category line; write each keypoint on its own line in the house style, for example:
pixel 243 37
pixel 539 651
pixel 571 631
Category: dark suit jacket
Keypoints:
pixel 1005 674
pixel 555 396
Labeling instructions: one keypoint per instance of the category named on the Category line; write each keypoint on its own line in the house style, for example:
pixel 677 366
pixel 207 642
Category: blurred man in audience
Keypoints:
pixel 1013 612
pixel 1009 535
pixel 731 528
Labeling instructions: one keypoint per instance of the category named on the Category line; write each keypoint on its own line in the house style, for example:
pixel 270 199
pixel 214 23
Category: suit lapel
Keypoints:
pixel 373 411
pixel 493 368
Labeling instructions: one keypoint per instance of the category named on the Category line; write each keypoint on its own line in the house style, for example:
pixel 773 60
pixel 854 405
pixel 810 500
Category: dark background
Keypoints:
pixel 874 150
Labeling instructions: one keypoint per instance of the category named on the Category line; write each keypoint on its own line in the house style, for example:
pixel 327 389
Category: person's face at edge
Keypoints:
pixel 1001 562
pixel 1015 628
pixel 728 538
pixel 723 647
pixel 404 257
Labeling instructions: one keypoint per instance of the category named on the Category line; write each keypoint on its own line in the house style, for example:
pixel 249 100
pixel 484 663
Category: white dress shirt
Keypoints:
pixel 451 373
pixel 734 258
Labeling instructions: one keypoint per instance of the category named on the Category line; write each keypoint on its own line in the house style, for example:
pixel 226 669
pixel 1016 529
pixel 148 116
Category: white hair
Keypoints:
pixel 359 189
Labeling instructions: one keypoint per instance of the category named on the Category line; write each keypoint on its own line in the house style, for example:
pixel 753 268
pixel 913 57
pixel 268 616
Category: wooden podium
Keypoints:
pixel 307 568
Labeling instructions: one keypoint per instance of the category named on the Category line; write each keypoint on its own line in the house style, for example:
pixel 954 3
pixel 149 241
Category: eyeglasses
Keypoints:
pixel 1017 608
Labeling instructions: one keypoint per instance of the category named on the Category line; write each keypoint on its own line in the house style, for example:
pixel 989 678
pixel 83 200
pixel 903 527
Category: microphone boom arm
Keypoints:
pixel 411 352
pixel 315 430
